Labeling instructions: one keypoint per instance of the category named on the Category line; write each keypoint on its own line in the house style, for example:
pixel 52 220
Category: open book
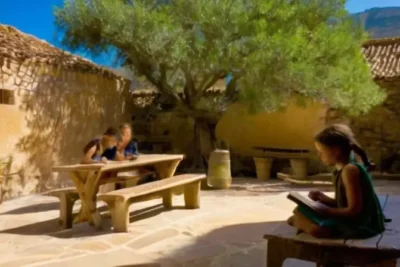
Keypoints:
pixel 304 200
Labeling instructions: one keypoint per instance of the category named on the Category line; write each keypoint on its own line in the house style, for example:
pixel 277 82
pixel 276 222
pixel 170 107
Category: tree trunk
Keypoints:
pixel 204 143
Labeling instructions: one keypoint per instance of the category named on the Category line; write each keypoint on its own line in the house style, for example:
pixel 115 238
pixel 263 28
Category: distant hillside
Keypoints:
pixel 381 22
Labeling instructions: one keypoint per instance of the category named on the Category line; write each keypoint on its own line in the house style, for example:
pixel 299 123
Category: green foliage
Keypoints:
pixel 274 49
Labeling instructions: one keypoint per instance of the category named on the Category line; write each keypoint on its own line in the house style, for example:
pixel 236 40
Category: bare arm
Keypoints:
pixel 351 181
pixel 120 156
pixel 321 197
pixel 87 158
pixel 137 149
pixel 120 153
pixel 331 202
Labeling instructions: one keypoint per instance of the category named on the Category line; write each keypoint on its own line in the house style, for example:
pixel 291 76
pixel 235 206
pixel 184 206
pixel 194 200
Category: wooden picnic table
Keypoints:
pixel 88 177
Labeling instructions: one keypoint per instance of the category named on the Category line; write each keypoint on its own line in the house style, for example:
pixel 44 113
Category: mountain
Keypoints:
pixel 381 22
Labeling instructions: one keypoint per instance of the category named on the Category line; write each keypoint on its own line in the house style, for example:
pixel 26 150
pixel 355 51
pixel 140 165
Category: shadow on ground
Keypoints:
pixel 52 227
pixel 40 207
pixel 235 245
pixel 141 265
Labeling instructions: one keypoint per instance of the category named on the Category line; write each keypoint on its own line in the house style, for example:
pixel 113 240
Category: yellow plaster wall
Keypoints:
pixel 293 127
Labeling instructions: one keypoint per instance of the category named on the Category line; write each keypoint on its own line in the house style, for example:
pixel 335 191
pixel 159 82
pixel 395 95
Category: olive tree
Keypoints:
pixel 272 50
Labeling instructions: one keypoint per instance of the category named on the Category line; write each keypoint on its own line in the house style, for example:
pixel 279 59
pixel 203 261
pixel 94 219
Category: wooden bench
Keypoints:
pixel 119 201
pixel 67 197
pixel 382 250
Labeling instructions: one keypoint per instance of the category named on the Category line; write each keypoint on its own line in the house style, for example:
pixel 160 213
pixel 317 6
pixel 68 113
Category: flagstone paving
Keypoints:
pixel 226 231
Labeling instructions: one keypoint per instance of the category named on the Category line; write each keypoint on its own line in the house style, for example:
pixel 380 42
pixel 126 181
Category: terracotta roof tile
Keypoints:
pixel 383 56
pixel 20 46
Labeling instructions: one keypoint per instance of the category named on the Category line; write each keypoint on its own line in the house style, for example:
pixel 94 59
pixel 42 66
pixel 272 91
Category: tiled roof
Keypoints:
pixel 19 46
pixel 383 56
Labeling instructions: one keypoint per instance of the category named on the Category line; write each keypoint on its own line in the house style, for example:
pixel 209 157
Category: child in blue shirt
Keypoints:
pixel 126 149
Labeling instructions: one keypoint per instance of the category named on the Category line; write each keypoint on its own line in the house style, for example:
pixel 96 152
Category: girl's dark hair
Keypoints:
pixel 111 131
pixel 340 135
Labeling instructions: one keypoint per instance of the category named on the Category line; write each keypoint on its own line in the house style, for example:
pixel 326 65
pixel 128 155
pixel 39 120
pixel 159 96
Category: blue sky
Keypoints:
pixel 36 17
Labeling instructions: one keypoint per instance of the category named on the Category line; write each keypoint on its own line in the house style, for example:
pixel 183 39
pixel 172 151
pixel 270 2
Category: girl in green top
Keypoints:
pixel 355 212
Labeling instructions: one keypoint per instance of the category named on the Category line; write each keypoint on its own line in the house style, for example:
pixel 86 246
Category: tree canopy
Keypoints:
pixel 272 50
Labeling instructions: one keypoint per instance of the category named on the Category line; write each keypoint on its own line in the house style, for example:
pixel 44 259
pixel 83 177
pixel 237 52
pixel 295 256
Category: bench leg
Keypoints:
pixel 66 207
pixel 192 196
pixel 119 211
pixel 275 254
pixel 384 263
pixel 280 249
pixel 167 199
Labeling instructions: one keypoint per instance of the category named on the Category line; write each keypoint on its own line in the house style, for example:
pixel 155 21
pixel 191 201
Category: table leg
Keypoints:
pixel 79 182
pixel 167 170
pixel 87 188
pixel 92 188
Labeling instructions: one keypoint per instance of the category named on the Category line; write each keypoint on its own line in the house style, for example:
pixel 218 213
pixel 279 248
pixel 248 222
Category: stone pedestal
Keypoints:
pixel 263 168
pixel 300 168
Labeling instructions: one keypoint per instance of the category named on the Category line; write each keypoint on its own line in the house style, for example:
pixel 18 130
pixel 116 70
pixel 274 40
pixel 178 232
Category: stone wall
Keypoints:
pixel 164 132
pixel 56 112
pixel 378 131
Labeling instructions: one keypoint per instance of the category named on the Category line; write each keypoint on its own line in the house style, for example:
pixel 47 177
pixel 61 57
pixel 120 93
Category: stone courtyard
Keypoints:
pixel 226 231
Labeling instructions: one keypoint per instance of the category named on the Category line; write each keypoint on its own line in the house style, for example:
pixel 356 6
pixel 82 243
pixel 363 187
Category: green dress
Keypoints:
pixel 368 224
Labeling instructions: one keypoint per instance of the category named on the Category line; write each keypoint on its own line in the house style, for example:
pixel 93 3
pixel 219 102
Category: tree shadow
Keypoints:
pixel 233 245
pixel 40 207
pixel 141 265
pixel 52 227
pixel 64 111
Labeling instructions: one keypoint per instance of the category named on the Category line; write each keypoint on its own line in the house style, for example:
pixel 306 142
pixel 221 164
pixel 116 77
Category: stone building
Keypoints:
pixel 379 130
pixel 52 103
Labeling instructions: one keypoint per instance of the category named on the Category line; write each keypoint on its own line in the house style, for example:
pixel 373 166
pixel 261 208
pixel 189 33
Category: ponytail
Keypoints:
pixel 341 136
pixel 364 157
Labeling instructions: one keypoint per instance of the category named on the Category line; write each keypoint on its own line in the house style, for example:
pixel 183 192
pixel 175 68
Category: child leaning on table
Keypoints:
pixel 355 212
pixel 126 149
pixel 96 147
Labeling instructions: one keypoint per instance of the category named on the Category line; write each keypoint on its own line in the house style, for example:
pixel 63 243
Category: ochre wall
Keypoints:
pixel 12 126
pixel 293 127
pixel 55 113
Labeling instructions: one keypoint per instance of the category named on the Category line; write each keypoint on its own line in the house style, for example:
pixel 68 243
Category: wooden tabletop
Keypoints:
pixel 142 160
